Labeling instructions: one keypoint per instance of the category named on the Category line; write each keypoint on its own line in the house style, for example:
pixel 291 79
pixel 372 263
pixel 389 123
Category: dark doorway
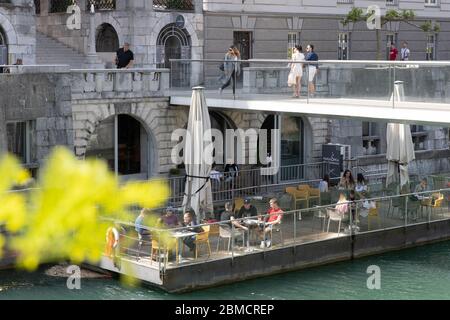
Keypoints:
pixel 129 145
pixel 243 41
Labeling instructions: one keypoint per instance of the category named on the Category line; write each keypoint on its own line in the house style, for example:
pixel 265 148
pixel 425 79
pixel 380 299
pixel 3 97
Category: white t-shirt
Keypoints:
pixel 323 186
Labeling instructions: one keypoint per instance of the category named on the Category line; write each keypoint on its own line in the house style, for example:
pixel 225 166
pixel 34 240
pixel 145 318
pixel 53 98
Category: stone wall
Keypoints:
pixel 43 97
pixel 134 21
pixel 17 21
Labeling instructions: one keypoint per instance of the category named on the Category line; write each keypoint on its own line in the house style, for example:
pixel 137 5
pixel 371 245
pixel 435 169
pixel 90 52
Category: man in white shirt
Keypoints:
pixel 404 53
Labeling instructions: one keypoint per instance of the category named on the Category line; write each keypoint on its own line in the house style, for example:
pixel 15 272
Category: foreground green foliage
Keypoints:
pixel 62 217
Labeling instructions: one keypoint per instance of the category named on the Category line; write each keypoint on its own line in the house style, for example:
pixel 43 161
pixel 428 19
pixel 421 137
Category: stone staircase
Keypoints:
pixel 51 51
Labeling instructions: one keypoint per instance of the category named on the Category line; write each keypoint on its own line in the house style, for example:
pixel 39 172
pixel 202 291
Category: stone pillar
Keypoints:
pixel 45 7
pixel 198 6
pixel 93 61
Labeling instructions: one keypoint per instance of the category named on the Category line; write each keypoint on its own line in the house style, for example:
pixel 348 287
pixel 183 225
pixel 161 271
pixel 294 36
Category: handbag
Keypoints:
pixel 291 79
pixel 222 67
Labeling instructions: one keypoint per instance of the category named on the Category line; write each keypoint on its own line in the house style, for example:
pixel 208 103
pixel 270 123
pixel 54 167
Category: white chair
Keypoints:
pixel 225 233
pixel 334 215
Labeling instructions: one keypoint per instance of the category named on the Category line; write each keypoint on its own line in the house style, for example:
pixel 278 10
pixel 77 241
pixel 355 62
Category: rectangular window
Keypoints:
pixel 21 140
pixel 431 47
pixel 431 2
pixel 293 40
pixel 344 46
pixel 390 38
pixel 418 136
pixel 391 2
pixel 371 138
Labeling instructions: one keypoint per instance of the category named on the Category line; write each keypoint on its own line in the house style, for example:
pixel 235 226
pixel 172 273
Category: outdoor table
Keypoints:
pixel 180 235
pixel 250 224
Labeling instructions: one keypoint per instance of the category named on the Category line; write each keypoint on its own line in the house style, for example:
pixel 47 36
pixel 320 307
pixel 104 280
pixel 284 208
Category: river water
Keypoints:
pixel 418 273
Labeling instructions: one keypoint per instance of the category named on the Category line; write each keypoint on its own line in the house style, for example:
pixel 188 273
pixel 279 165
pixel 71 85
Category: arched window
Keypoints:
pixel 174 43
pixel 3 48
pixel 107 39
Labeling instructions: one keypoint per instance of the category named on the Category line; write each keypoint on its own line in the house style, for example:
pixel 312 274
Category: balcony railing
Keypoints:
pixel 101 4
pixel 181 5
pixel 391 2
pixel 371 82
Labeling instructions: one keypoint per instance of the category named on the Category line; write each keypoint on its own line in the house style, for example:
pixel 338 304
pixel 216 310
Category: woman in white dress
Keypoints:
pixel 297 70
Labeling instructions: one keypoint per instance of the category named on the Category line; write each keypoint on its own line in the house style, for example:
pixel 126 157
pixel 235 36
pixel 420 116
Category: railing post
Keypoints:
pixel 295 228
pixel 350 218
pixel 307 83
pixel 406 210
pixel 198 6
pixel 232 243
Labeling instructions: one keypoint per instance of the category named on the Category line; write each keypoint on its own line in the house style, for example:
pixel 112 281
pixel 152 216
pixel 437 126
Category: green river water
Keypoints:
pixel 418 273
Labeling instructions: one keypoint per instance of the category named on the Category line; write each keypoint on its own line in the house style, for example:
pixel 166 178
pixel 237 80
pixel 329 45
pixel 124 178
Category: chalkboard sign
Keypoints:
pixel 331 153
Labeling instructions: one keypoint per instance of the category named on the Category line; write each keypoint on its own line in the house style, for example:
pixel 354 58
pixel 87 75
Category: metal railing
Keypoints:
pixel 391 2
pixel 251 182
pixel 350 81
pixel 101 4
pixel 182 5
pixel 296 227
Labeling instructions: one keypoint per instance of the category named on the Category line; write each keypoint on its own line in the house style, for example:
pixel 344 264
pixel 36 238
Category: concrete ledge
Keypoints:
pixel 213 273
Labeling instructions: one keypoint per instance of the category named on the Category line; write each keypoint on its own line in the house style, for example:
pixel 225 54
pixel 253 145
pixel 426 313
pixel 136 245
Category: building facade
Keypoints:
pixel 86 116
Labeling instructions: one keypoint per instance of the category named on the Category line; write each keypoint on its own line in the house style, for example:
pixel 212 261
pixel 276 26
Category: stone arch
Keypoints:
pixel 88 117
pixel 109 19
pixel 169 19
pixel 106 38
pixel 9 31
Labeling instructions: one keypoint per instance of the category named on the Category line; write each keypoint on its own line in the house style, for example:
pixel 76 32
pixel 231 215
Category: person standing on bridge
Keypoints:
pixel 404 52
pixel 230 68
pixel 393 52
pixel 295 76
pixel 124 57
pixel 313 68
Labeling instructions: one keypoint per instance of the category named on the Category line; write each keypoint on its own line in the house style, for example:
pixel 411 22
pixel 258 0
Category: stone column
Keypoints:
pixel 45 7
pixel 93 61
pixel 198 6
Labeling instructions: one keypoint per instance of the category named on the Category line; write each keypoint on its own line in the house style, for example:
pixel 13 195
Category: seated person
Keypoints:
pixel 421 187
pixel 191 226
pixel 324 184
pixel 247 210
pixel 361 185
pixel 169 219
pixel 347 182
pixel 215 175
pixel 139 223
pixel 228 215
pixel 274 217
pixel 231 171
pixel 342 205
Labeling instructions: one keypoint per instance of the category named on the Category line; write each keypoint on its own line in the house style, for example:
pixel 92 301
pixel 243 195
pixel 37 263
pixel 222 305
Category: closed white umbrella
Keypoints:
pixel 399 153
pixel 400 147
pixel 198 156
